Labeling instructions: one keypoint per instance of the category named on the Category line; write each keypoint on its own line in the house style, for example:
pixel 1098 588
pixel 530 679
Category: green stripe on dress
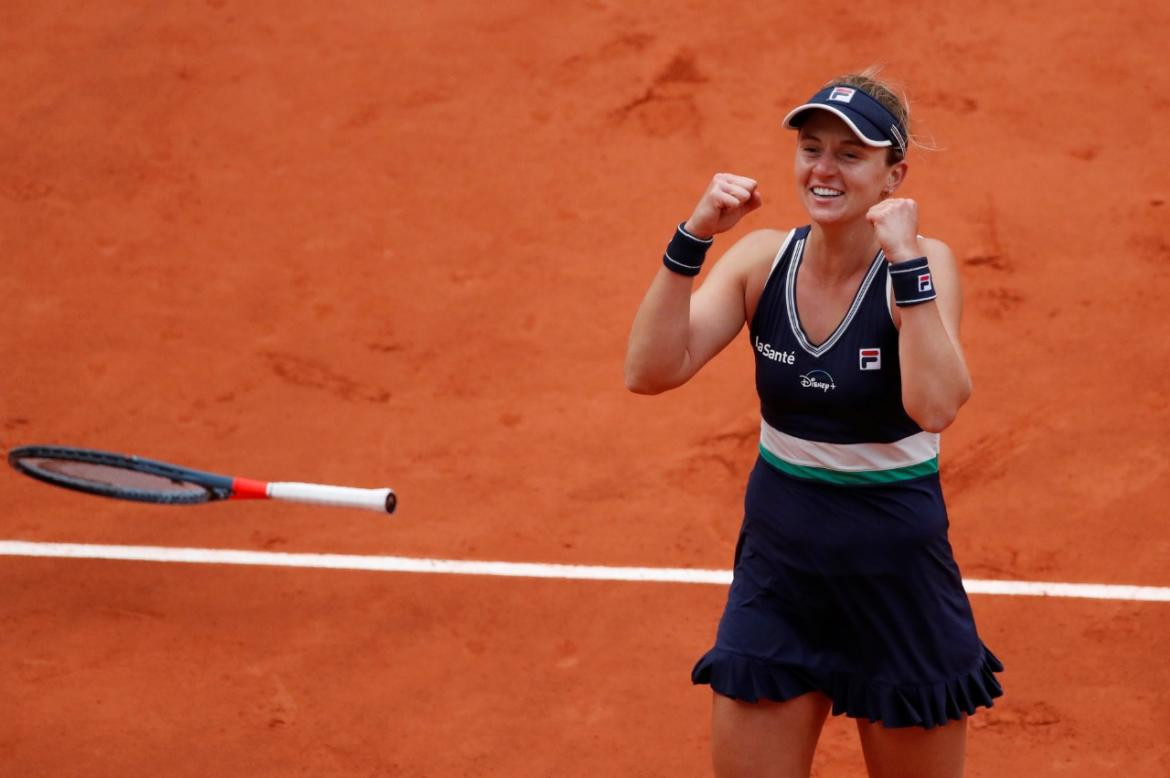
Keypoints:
pixel 851 478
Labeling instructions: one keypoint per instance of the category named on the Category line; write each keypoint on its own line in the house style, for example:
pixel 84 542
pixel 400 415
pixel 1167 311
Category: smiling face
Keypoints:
pixel 838 177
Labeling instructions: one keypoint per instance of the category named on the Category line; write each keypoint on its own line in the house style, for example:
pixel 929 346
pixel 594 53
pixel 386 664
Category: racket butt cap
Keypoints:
pixel 391 502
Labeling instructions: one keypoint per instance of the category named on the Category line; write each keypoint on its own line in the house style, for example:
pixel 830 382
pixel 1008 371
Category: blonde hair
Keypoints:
pixel 891 97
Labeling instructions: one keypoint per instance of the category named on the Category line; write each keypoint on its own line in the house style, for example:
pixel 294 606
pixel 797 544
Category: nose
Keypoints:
pixel 825 165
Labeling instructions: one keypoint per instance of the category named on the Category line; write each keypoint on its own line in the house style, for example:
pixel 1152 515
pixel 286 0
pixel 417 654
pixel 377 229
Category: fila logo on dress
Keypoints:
pixel 870 359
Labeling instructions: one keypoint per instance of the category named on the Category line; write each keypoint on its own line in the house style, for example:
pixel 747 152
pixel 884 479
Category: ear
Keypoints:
pixel 895 175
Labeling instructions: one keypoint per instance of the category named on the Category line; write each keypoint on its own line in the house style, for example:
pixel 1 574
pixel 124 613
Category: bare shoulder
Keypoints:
pixel 936 251
pixel 947 283
pixel 741 272
pixel 747 263
pixel 753 251
pixel 766 241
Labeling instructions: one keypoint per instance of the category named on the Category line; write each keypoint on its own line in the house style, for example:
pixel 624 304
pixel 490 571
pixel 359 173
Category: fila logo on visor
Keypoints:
pixel 924 283
pixel 870 358
pixel 842 94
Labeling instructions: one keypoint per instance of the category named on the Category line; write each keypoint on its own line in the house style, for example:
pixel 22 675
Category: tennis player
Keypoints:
pixel 846 597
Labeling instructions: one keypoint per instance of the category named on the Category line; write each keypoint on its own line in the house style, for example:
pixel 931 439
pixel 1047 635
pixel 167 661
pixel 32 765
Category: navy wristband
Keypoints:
pixel 685 253
pixel 912 282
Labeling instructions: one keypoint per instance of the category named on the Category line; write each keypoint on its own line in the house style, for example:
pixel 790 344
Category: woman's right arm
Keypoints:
pixel 676 332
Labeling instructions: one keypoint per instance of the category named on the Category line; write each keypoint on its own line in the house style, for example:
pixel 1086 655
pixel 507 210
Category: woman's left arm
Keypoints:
pixel 935 381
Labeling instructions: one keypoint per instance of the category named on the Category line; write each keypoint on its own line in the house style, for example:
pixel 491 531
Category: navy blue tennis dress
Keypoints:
pixel 844 579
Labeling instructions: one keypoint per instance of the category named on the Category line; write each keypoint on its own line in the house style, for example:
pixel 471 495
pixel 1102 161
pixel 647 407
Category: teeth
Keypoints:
pixel 822 191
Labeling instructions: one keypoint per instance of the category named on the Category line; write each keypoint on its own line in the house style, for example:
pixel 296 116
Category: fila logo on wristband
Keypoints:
pixel 870 359
pixel 912 281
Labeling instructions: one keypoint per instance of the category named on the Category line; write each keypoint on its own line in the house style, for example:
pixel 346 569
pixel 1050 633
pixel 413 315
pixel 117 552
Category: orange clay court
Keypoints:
pixel 402 244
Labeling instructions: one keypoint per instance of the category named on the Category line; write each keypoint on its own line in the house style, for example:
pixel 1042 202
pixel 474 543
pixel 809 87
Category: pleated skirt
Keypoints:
pixel 852 591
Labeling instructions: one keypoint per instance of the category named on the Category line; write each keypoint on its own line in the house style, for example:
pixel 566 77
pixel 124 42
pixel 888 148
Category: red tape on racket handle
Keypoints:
pixel 247 489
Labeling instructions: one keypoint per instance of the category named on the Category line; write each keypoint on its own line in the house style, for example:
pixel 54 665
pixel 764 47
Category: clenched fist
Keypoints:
pixel 727 200
pixel 895 223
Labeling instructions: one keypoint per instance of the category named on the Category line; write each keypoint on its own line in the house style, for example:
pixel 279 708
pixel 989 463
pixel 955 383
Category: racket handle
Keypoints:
pixel 382 500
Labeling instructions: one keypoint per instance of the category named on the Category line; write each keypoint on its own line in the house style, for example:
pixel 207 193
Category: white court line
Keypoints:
pixel 401 564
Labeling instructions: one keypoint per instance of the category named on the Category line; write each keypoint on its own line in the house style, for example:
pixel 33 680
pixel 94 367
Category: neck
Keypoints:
pixel 838 251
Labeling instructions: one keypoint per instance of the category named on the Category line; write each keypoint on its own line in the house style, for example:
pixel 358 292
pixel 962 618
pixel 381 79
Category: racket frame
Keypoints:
pixel 213 485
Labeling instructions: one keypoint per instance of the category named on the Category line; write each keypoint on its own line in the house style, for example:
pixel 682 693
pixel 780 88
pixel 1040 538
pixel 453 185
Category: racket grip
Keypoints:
pixel 382 500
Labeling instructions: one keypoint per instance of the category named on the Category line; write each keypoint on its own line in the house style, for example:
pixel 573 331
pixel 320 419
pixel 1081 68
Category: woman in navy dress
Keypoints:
pixel 846 598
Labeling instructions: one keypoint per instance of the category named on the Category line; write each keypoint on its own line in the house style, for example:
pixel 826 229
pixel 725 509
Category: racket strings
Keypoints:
pixel 111 477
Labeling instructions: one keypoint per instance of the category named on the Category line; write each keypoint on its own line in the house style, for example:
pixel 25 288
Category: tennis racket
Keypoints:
pixel 145 480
